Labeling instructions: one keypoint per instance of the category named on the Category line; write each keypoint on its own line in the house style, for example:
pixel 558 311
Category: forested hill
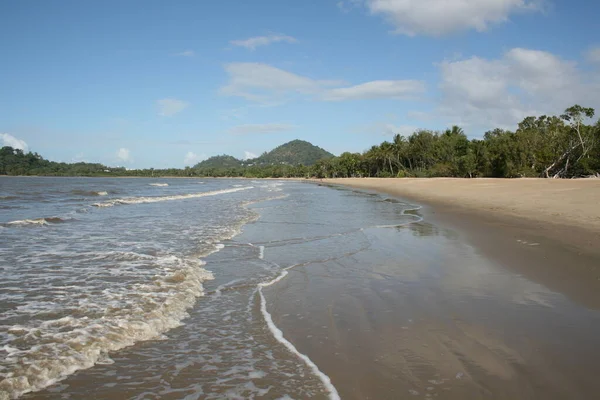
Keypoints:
pixel 223 161
pixel 296 152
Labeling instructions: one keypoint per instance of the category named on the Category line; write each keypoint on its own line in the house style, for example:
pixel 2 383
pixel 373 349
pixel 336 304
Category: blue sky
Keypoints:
pixel 165 84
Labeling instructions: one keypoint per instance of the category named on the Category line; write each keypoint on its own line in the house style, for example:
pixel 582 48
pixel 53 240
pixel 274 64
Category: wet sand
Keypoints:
pixel 467 304
pixel 545 229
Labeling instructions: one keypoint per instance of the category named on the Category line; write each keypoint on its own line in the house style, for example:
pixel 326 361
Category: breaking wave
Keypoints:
pixel 55 349
pixel 140 200
pixel 90 192
pixel 37 221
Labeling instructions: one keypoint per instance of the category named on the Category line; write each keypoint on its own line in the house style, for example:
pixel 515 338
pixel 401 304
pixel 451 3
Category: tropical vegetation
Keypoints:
pixel 562 146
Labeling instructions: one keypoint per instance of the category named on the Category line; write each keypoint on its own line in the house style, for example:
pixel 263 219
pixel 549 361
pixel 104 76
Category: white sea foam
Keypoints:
pixel 102 193
pixel 70 343
pixel 37 221
pixel 159 184
pixel 141 200
pixel 278 335
pixel 261 253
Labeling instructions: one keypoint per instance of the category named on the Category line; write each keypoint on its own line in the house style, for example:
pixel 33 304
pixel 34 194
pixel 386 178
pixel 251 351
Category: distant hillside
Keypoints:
pixel 223 161
pixel 292 153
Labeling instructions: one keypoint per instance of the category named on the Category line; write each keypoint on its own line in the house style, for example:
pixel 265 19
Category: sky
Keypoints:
pixel 169 83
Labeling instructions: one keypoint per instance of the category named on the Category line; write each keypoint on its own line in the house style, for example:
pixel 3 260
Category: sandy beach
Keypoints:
pixel 558 201
pixel 493 295
pixel 545 229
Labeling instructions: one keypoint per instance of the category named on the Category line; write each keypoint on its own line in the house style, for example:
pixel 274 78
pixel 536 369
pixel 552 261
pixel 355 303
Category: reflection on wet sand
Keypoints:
pixel 419 313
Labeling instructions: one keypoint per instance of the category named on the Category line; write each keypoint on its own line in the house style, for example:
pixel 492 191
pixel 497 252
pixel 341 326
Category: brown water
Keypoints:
pixel 365 293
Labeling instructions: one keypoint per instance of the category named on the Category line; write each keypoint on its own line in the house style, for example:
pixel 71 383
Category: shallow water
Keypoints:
pixel 180 288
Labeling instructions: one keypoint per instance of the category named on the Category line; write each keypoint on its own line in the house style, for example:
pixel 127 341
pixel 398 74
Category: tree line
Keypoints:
pixel 546 146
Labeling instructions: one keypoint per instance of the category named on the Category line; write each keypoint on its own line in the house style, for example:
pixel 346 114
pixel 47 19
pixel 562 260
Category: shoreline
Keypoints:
pixel 557 246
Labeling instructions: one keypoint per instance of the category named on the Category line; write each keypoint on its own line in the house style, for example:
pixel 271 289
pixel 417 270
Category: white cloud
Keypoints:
pixel 261 82
pixel 440 17
pixel 10 140
pixel 260 128
pixel 186 53
pixel 264 83
pixel 376 90
pixel 79 157
pixel 124 155
pixel 385 129
pixel 501 92
pixel 593 55
pixel 170 106
pixel 248 155
pixel 404 130
pixel 192 158
pixel 257 41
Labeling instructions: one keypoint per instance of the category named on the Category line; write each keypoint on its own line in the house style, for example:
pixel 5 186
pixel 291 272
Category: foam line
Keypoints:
pixel 139 200
pixel 278 335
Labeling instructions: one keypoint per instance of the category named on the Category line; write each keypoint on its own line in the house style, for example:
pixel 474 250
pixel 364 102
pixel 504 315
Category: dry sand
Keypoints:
pixel 568 202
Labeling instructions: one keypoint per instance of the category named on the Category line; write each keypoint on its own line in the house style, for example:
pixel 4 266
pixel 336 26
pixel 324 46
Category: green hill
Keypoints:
pixel 223 161
pixel 292 153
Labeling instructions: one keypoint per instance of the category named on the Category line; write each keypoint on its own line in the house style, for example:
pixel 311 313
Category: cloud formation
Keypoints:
pixel 249 155
pixel 124 155
pixel 257 41
pixel 264 83
pixel 10 140
pixel 593 55
pixel 192 158
pixel 186 53
pixel 441 17
pixel 376 90
pixel 260 128
pixel 501 92
pixel 170 106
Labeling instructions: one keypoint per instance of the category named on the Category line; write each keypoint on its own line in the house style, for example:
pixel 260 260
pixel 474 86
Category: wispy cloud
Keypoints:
pixel 266 83
pixel 192 158
pixel 10 140
pixel 377 90
pixel 170 106
pixel 186 53
pixel 384 129
pixel 263 82
pixel 124 155
pixel 249 155
pixel 79 157
pixel 257 41
pixel 260 128
pixel 593 55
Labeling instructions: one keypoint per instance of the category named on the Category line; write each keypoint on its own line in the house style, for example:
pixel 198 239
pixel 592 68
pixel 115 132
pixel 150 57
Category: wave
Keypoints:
pixel 37 221
pixel 71 343
pixel 159 184
pixel 278 335
pixel 89 192
pixel 141 200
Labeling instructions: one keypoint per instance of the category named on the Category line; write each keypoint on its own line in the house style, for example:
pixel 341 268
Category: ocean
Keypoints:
pixel 149 284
